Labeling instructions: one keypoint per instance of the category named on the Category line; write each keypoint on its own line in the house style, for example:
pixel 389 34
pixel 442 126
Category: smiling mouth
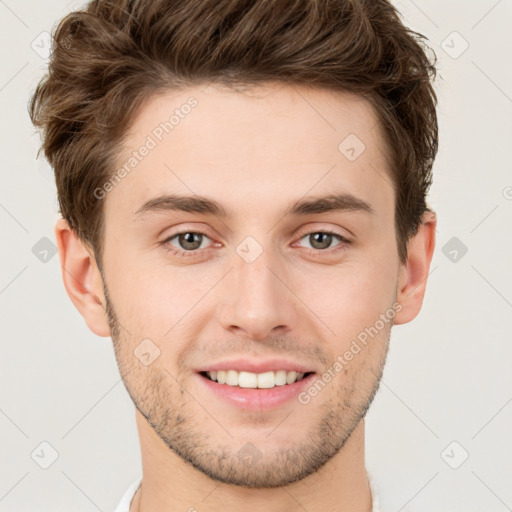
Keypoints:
pixel 266 380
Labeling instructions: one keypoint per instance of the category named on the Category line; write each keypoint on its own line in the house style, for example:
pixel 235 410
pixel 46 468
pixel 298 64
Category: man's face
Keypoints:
pixel 257 284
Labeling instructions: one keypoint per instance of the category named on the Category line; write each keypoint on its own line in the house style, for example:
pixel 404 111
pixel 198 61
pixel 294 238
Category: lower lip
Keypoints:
pixel 257 399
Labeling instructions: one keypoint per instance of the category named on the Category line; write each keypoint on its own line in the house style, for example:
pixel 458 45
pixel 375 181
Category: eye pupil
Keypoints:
pixel 190 241
pixel 318 240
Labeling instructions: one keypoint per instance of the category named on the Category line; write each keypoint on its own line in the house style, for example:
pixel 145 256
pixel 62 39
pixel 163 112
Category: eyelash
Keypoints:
pixel 192 253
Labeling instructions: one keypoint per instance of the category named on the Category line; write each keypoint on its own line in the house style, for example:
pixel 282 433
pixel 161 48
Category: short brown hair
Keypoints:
pixel 112 55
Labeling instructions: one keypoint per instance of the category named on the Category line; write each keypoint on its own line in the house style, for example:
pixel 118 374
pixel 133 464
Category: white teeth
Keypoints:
pixel 265 380
pixel 255 380
pixel 232 378
pixel 246 379
pixel 290 377
pixel 280 378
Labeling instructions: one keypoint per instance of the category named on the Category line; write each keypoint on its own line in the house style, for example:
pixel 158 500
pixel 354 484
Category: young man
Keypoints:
pixel 242 185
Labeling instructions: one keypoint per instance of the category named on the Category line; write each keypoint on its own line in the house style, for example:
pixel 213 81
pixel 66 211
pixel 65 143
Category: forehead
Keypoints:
pixel 261 145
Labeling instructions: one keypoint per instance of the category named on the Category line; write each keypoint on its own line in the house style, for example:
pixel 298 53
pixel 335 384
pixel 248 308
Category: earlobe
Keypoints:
pixel 413 274
pixel 82 278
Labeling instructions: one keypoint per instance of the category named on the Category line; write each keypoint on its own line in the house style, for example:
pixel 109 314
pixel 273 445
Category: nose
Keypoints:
pixel 258 300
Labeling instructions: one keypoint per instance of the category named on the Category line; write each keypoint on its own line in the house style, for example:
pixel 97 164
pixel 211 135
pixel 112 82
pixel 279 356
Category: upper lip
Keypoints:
pixel 255 366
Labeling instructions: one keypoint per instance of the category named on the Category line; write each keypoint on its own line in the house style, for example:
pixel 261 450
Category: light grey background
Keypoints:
pixel 447 378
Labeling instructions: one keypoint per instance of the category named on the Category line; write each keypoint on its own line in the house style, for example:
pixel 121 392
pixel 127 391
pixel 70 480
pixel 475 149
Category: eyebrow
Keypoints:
pixel 208 206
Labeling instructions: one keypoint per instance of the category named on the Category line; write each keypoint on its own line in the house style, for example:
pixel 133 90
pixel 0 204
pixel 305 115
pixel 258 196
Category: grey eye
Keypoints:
pixel 188 241
pixel 320 240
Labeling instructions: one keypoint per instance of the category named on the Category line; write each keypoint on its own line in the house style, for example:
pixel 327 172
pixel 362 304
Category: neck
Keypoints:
pixel 171 484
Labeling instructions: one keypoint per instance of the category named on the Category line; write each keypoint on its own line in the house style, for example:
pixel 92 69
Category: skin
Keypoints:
pixel 254 152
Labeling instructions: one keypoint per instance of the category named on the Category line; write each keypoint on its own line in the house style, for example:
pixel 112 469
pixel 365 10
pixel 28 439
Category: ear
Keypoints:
pixel 82 278
pixel 413 274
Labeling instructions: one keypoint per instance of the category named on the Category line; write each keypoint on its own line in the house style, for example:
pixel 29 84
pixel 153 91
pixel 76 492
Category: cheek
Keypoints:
pixel 355 292
pixel 157 300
